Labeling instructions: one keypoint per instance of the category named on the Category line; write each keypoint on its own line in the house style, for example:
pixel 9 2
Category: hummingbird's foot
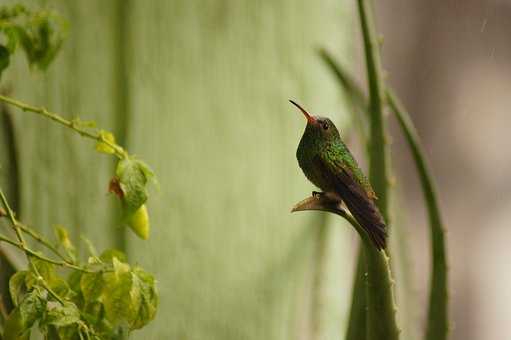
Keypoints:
pixel 317 194
pixel 331 196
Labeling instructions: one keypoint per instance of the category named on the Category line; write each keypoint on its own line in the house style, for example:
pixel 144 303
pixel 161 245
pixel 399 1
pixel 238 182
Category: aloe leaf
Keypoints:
pixel 438 320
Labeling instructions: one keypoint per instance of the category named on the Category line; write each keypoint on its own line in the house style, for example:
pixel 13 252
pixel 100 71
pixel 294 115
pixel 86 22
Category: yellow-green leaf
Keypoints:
pixel 91 285
pixel 109 254
pixel 63 315
pixel 149 298
pixel 121 295
pixel 139 223
pixel 17 286
pixel 65 241
pixel 104 147
pixel 23 317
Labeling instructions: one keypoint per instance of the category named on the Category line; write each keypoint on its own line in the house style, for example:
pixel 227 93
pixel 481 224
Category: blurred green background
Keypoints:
pixel 199 90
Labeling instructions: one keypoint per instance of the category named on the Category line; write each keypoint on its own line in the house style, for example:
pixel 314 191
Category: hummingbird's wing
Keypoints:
pixel 356 198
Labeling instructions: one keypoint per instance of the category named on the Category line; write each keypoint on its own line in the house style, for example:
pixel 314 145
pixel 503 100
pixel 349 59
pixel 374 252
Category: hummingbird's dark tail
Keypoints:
pixel 368 216
pixel 356 198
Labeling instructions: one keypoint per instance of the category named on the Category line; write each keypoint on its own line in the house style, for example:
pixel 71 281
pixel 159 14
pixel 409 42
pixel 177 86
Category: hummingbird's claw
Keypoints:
pixel 320 201
pixel 316 194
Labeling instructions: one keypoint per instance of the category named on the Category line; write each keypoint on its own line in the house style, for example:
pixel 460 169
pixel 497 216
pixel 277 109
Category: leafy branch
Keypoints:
pixel 132 175
pixel 109 274
pixel 103 297
pixel 22 245
pixel 96 285
pixel 77 125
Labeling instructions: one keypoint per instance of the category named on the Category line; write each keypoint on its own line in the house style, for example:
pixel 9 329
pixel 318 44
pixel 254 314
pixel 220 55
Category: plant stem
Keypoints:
pixel 45 285
pixel 30 253
pixel 438 325
pixel 357 319
pixel 378 281
pixel 41 257
pixel 319 278
pixel 73 125
pixel 381 319
pixel 42 240
pixel 21 244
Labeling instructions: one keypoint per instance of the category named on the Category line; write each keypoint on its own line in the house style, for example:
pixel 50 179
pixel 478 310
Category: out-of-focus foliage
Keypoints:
pixel 38 33
pixel 104 297
pixel 109 298
pixel 130 185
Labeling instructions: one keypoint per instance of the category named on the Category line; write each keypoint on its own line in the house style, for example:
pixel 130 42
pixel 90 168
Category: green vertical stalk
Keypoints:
pixel 357 318
pixel 378 162
pixel 319 274
pixel 437 327
pixel 380 322
pixel 380 306
pixel 381 319
pixel 357 322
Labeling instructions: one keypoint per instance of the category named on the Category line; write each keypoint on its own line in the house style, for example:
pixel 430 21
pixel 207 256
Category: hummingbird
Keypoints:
pixel 328 163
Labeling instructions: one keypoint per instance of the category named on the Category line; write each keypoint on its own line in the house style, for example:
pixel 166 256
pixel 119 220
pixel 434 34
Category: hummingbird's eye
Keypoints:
pixel 325 125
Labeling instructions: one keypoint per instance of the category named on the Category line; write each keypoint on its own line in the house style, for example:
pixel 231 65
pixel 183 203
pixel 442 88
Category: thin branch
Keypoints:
pixel 37 255
pixel 39 238
pixel 41 279
pixel 21 244
pixel 73 125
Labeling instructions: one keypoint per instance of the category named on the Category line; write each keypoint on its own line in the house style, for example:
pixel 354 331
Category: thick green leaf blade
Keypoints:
pixel 357 321
pixel 438 319
pixel 380 308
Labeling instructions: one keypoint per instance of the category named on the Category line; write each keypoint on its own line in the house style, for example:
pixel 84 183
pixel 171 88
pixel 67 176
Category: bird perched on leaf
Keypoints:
pixel 328 164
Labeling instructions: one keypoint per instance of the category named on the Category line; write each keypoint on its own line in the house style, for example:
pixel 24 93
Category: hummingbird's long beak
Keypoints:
pixel 310 119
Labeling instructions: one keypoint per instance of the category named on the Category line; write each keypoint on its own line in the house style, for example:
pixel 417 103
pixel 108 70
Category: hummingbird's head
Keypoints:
pixel 318 127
